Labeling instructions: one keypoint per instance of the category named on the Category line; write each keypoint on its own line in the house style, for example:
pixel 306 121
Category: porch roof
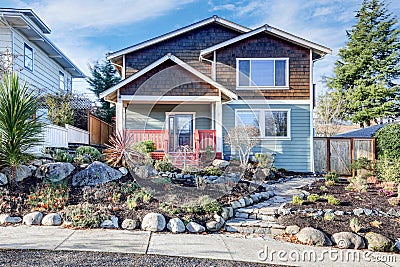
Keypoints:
pixel 110 94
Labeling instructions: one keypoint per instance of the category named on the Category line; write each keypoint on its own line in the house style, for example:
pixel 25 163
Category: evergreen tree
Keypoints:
pixel 368 65
pixel 104 76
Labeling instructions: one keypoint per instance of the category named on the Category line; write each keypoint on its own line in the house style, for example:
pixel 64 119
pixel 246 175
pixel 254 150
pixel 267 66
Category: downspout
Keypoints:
pixel 311 113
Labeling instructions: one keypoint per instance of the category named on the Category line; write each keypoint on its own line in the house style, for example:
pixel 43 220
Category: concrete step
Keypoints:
pixel 253 226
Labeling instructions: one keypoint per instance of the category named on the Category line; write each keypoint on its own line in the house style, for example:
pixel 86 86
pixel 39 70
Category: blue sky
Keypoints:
pixel 85 30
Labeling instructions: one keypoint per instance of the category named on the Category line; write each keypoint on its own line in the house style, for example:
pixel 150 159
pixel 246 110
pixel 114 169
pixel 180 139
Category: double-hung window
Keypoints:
pixel 263 72
pixel 28 57
pixel 273 124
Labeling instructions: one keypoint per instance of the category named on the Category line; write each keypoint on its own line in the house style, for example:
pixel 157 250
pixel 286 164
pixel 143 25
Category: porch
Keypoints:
pixel 205 141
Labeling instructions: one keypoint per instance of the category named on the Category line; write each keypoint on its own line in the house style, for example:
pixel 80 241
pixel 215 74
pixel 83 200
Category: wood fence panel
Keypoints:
pixel 320 155
pixel 100 131
pixel 340 159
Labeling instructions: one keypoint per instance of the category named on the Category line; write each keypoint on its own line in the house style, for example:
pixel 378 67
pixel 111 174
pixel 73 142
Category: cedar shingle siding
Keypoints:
pixel 266 46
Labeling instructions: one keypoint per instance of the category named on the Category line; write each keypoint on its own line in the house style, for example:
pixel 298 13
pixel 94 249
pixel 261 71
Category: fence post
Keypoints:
pixel 328 154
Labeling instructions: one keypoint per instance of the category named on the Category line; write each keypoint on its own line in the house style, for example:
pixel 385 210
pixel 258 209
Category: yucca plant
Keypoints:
pixel 19 129
pixel 121 151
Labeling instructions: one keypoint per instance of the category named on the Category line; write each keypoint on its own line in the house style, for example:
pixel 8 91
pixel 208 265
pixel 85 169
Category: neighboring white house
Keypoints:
pixel 34 56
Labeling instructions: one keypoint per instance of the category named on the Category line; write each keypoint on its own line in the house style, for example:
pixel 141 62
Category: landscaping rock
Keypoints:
pixel 242 202
pixel 110 224
pixel 358 211
pixel 392 212
pixel 55 172
pixel 216 224
pixel 312 236
pixel 123 170
pixel 129 224
pixel 219 163
pixel 6 218
pixel 195 228
pixel 96 173
pixel 146 171
pixel 368 212
pixel 248 201
pixel 292 229
pixel 225 213
pixel 23 172
pixel 235 204
pixel 52 219
pixel 378 242
pixel 153 222
pixel 348 240
pixel 176 225
pixel 3 179
pixel 34 218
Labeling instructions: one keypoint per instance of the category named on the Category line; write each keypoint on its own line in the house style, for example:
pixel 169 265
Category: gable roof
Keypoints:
pixel 34 29
pixel 321 50
pixel 177 32
pixel 364 132
pixel 179 62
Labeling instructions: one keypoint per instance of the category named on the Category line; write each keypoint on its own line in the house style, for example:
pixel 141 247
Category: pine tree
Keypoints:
pixel 368 65
pixel 103 77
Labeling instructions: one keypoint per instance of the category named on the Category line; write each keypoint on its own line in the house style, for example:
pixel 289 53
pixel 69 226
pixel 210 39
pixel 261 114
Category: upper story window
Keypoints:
pixel 271 123
pixel 62 80
pixel 263 72
pixel 28 57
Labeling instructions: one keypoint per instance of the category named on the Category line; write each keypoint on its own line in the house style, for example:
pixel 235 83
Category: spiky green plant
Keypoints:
pixel 121 151
pixel 19 130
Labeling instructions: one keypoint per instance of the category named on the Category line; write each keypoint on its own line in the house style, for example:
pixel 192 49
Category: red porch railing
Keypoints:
pixel 159 137
pixel 203 140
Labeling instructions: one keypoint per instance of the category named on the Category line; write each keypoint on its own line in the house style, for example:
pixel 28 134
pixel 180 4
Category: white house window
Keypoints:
pixel 271 123
pixel 263 72
pixel 62 80
pixel 28 57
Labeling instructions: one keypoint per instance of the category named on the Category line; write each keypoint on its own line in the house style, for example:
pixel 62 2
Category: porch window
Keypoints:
pixel 263 72
pixel 271 123
pixel 28 57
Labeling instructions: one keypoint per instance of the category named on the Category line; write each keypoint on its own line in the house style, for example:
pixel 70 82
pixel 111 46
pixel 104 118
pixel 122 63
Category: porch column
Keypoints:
pixel 218 127
pixel 120 116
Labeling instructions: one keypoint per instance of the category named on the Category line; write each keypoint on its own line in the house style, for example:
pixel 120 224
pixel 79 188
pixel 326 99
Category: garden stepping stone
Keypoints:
pixel 52 219
pixel 55 172
pixel 153 222
pixel 33 218
pixel 378 242
pixel 96 173
pixel 312 236
pixel 175 225
pixel 195 228
pixel 348 240
pixel 129 224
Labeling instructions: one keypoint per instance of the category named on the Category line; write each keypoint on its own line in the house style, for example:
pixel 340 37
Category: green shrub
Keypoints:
pixel 264 160
pixel 358 184
pixel 332 200
pixel 329 183
pixel 85 215
pixel 189 169
pixel 210 205
pixel 388 141
pixel 138 197
pixel 329 216
pixel 363 164
pixel 388 170
pixel 59 107
pixel 145 147
pixel 296 200
pixel 62 156
pixel 355 225
pixel 86 154
pixel 169 209
pixel 332 176
pixel 312 197
pixel 211 170
pixel 164 165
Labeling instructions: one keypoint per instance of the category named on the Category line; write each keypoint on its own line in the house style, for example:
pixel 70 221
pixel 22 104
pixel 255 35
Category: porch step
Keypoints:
pixel 179 160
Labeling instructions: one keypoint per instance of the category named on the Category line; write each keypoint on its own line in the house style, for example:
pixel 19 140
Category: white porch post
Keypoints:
pixel 218 126
pixel 120 116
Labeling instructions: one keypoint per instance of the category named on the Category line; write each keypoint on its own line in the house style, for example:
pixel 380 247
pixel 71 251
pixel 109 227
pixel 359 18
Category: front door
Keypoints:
pixel 180 131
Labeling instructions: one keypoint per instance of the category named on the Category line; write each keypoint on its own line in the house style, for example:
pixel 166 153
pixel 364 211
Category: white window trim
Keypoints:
pixel 238 87
pixel 261 122
pixel 30 48
pixel 167 114
pixel 65 89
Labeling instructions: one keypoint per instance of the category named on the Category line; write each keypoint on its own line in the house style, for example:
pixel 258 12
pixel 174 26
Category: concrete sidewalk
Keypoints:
pixel 214 246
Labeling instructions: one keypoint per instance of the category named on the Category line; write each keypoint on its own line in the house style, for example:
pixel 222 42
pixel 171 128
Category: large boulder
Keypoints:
pixel 6 218
pixel 96 173
pixel 33 218
pixel 195 228
pixel 55 172
pixel 378 242
pixel 348 240
pixel 22 173
pixel 219 163
pixel 176 225
pixel 153 222
pixel 312 236
pixel 145 171
pixel 216 224
pixel 3 179
pixel 52 219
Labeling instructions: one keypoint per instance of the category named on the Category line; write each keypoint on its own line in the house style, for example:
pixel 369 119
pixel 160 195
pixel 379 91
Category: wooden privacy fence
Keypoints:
pixel 337 153
pixel 100 131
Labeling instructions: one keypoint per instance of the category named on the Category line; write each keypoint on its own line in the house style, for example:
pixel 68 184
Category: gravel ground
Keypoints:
pixel 74 258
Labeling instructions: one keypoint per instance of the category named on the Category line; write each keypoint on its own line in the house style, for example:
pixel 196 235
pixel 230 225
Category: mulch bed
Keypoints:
pixel 350 200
